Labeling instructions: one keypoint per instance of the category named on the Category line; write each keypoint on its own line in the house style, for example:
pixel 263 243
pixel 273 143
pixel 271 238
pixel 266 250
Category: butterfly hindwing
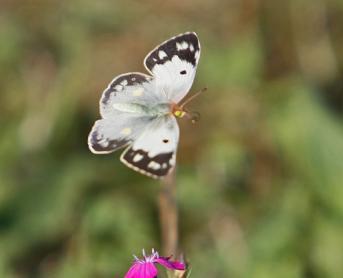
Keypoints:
pixel 154 152
pixel 108 135
pixel 173 64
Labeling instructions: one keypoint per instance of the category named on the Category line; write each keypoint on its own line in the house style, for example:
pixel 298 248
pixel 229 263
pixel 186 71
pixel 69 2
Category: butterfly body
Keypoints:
pixel 157 110
pixel 140 111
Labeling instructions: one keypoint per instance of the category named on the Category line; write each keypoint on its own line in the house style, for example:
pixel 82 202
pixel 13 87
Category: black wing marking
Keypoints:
pixel 155 167
pixel 186 46
pixel 99 143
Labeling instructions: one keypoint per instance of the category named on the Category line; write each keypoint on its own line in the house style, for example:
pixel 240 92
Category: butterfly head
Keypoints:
pixel 179 113
pixel 177 110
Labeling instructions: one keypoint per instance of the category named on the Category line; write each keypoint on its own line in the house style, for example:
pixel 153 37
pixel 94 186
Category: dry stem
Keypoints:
pixel 169 215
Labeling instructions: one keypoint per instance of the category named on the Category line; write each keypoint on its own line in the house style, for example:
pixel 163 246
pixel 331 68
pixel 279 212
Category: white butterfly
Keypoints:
pixel 139 110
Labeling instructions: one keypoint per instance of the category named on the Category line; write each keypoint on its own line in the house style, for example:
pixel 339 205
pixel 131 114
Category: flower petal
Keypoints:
pixel 170 264
pixel 150 270
pixel 133 271
pixel 142 270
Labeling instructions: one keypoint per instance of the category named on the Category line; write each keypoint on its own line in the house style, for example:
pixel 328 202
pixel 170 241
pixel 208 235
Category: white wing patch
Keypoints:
pixel 162 54
pixel 161 136
pixel 175 78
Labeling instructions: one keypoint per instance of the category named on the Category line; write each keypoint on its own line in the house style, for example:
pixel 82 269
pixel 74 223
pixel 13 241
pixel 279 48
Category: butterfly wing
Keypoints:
pixel 133 87
pixel 154 152
pixel 173 64
pixel 109 135
pixel 122 122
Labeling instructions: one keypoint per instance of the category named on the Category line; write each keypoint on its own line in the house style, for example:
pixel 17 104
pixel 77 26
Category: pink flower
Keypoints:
pixel 146 268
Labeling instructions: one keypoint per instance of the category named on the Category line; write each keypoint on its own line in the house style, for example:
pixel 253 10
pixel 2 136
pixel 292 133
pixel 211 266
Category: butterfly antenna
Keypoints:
pixel 192 97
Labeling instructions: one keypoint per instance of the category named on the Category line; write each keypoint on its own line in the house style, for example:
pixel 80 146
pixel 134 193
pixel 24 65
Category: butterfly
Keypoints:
pixel 139 111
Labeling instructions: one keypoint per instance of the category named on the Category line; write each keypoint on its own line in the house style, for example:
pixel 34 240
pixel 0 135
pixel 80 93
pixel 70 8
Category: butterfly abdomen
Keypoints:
pixel 143 110
pixel 160 109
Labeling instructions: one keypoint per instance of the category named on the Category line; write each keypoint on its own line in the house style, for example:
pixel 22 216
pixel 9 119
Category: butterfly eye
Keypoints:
pixel 179 113
pixel 183 72
pixel 165 140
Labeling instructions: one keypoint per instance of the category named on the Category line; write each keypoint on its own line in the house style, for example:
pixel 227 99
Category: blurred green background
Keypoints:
pixel 260 177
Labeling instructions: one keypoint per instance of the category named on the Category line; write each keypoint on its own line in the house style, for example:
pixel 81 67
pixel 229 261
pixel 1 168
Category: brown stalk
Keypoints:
pixel 168 215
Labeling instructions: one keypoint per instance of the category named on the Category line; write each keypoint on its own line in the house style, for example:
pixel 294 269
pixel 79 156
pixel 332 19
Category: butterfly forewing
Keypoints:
pixel 128 88
pixel 154 152
pixel 174 63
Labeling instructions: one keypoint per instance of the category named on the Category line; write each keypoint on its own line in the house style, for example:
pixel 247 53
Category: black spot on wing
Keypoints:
pixel 99 143
pixel 149 164
pixel 119 83
pixel 170 49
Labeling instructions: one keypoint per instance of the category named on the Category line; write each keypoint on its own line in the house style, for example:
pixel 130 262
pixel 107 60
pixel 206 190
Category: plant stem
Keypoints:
pixel 169 215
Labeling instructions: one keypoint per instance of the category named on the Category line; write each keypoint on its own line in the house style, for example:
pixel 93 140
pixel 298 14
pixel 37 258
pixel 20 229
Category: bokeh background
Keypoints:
pixel 259 178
